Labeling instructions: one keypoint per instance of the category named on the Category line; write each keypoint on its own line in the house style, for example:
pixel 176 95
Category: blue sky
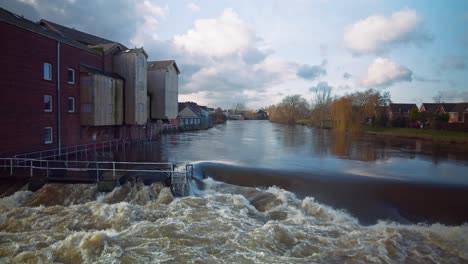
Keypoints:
pixel 257 52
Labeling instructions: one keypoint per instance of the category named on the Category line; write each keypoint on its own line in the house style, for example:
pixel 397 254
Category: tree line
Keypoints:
pixel 347 113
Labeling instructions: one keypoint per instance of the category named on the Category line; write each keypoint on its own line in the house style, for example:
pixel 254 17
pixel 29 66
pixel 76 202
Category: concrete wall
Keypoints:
pixel 172 93
pixel 156 88
pixel 101 100
pixel 132 67
pixel 163 86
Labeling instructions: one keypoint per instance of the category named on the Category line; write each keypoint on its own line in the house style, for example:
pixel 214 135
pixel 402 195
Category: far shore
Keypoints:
pixel 439 136
pixel 434 135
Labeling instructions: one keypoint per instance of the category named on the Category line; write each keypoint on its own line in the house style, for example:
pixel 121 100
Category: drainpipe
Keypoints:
pixel 59 132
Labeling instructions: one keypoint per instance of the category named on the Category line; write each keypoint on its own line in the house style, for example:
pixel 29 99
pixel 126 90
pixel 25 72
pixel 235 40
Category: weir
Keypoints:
pixel 106 174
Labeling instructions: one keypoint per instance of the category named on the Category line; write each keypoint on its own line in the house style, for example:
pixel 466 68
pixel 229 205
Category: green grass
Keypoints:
pixel 438 135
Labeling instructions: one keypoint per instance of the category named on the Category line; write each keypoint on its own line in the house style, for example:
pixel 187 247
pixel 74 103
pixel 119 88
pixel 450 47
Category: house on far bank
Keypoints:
pixel 436 108
pixel 188 115
pixel 459 113
pixel 400 111
pixel 163 83
pixel 262 115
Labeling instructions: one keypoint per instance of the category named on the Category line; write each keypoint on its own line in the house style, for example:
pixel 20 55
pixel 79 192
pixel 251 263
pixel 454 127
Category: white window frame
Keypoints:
pixel 73 71
pixel 44 76
pixel 51 140
pixel 73 104
pixel 51 103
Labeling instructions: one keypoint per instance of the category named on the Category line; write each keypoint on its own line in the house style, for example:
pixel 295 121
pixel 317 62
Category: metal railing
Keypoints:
pixel 67 152
pixel 96 170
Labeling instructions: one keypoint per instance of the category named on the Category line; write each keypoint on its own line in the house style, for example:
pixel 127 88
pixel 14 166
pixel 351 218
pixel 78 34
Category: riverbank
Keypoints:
pixel 440 136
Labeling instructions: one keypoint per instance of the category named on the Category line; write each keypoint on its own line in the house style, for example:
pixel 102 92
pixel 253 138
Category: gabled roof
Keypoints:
pixel 135 50
pixel 430 107
pixel 194 108
pixel 434 107
pixel 163 65
pixel 90 69
pixel 448 106
pixel 21 22
pixel 401 108
pixel 105 48
pixel 460 107
pixel 74 34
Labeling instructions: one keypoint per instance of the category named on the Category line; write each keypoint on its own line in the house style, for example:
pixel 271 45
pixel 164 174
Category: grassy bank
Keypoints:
pixel 429 134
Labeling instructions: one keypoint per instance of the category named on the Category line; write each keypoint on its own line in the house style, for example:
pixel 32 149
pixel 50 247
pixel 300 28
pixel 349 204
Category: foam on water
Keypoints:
pixel 222 223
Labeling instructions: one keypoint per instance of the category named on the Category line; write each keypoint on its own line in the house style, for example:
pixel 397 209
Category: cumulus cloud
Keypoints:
pixel 377 33
pixel 222 36
pixel 312 72
pixel 194 7
pixel 347 75
pixel 383 72
pixel 227 62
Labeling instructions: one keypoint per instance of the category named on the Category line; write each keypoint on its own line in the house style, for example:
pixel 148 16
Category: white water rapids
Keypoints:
pixel 221 224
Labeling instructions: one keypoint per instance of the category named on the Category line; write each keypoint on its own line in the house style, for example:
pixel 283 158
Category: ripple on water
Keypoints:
pixel 224 223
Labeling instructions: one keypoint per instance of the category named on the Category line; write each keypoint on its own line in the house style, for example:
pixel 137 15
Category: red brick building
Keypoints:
pixel 37 65
pixel 42 65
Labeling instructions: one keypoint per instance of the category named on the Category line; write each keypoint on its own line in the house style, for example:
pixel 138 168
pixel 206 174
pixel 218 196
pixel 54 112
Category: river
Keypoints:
pixel 271 194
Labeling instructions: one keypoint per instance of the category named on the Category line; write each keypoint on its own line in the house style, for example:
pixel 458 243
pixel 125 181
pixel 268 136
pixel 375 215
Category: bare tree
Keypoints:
pixel 321 103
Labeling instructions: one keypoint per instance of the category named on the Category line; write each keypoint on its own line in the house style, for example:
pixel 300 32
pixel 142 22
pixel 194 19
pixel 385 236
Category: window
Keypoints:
pixel 47 135
pixel 47 71
pixel 71 76
pixel 110 109
pixel 142 62
pixel 141 108
pixel 71 104
pixel 47 103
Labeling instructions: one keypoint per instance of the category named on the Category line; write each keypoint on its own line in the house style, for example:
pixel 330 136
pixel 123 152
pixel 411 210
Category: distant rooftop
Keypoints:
pixel 163 65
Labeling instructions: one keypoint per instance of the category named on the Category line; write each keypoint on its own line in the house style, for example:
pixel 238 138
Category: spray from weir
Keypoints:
pixel 136 224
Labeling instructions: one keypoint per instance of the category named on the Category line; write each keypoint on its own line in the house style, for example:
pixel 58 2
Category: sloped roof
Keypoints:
pixel 21 22
pixel 460 107
pixel 191 105
pixel 107 47
pixel 163 65
pixel 396 108
pixel 448 106
pixel 135 50
pixel 430 107
pixel 74 34
pixel 98 71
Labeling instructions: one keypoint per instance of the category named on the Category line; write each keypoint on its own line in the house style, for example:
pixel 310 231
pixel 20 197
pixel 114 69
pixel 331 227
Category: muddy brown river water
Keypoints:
pixel 270 194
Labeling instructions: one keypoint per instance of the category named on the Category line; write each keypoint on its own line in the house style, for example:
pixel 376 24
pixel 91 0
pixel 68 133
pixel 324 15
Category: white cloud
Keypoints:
pixel 194 7
pixel 149 13
pixel 153 9
pixel 384 72
pixel 376 33
pixel 222 36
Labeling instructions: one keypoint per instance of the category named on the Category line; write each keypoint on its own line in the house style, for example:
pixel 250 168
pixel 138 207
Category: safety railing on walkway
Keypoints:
pixel 76 151
pixel 97 171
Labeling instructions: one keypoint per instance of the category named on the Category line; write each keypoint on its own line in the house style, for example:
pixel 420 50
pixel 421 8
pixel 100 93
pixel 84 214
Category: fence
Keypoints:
pixel 67 152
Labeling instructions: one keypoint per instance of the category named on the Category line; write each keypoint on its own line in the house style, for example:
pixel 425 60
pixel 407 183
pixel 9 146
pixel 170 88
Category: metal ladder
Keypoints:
pixel 180 181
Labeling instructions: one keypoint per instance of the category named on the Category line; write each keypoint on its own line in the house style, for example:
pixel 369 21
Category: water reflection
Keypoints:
pixel 280 147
